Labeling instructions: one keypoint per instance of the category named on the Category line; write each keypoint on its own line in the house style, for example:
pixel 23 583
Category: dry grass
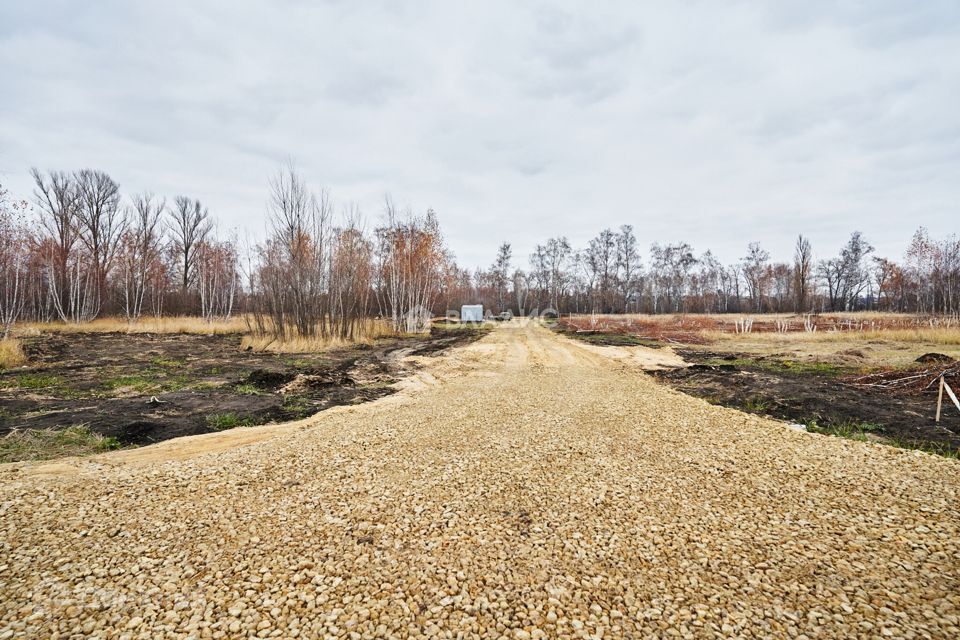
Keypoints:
pixel 370 331
pixel 941 336
pixel 893 347
pixel 46 444
pixel 863 338
pixel 178 324
pixel 878 319
pixel 11 355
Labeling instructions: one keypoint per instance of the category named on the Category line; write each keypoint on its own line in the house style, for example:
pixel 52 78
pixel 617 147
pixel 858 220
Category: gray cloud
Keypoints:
pixel 713 123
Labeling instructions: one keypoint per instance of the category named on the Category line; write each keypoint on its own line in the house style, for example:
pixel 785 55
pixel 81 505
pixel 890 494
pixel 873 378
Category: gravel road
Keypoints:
pixel 521 487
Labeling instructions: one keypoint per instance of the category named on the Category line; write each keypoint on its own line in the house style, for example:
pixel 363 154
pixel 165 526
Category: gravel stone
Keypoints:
pixel 520 487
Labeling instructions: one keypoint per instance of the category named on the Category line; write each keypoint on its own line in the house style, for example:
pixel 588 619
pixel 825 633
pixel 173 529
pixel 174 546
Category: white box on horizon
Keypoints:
pixel 471 313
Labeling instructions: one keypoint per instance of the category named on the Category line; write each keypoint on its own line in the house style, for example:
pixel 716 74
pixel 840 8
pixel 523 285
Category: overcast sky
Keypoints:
pixel 717 123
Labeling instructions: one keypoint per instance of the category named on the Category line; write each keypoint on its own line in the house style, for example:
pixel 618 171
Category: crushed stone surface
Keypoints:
pixel 521 487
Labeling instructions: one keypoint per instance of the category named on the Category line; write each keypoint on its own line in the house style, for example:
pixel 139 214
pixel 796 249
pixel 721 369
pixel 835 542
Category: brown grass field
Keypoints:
pixel 371 330
pixel 890 339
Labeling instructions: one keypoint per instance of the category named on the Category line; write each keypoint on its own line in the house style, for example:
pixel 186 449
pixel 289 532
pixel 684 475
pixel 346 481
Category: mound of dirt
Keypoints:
pixel 267 379
pixel 934 358
pixel 304 382
pixel 853 353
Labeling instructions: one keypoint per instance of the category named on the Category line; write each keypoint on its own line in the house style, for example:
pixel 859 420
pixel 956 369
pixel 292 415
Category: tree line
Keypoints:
pixel 609 275
pixel 79 249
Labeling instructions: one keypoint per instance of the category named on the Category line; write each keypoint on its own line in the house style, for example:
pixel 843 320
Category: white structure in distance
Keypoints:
pixel 471 313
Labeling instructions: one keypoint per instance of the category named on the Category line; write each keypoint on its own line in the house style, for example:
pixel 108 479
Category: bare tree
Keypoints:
pixel 351 278
pixel 14 253
pixel 781 290
pixel 802 273
pixel 218 276
pixel 500 274
pixel 189 227
pixel 670 267
pixel 411 261
pixel 301 225
pixel 600 262
pixel 756 272
pixel 712 283
pixel 72 278
pixel 314 279
pixel 557 253
pixel 101 222
pixel 856 274
pixel 57 198
pixel 847 275
pixel 539 276
pixel 886 274
pixel 628 265
pixel 140 252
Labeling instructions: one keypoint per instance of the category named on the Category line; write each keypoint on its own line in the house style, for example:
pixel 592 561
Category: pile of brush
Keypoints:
pixel 915 381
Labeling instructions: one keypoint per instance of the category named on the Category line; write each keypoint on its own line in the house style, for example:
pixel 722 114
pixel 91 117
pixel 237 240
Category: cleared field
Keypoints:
pixel 126 389
pixel 525 486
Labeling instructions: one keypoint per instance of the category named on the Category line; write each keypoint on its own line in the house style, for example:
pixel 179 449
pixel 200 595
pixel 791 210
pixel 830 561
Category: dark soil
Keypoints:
pixel 609 339
pixel 145 388
pixel 820 396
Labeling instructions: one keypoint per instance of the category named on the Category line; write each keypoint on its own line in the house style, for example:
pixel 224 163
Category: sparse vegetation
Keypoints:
pixel 45 444
pixel 134 382
pixel 443 327
pixel 789 366
pixel 869 432
pixel 755 405
pixel 222 421
pixel 364 333
pixel 847 429
pixel 30 381
pixel 297 406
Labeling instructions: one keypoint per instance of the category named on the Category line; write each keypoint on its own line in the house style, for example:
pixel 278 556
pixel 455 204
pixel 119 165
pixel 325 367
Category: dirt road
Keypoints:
pixel 521 487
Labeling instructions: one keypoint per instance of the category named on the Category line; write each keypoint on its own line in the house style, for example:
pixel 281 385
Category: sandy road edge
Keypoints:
pixel 645 358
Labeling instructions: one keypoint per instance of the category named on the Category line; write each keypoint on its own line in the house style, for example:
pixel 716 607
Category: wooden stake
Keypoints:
pixel 952 395
pixel 940 399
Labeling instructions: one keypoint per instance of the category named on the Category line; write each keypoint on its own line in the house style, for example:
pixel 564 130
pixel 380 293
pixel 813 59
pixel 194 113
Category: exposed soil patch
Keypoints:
pixel 607 338
pixel 145 388
pixel 827 395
